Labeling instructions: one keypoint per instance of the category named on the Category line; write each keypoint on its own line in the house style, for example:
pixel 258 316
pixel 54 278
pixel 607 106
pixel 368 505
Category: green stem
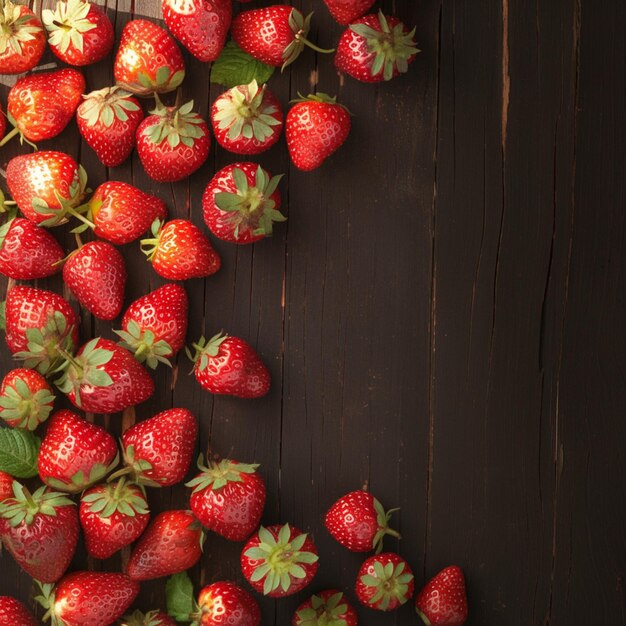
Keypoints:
pixel 9 136
pixel 80 217
pixel 306 42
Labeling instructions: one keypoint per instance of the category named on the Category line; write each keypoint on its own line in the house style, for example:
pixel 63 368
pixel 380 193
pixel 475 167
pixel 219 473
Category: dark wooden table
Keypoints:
pixel 443 313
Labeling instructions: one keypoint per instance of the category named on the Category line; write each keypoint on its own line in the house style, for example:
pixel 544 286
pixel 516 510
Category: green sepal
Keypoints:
pixel 143 345
pixel 23 507
pixel 218 475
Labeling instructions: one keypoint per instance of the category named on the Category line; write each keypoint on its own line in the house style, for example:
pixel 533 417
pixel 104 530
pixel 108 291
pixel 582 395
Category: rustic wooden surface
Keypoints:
pixel 443 312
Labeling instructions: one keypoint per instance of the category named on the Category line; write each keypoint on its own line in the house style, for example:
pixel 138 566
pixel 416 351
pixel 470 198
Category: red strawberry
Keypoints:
pixel 228 498
pixel 108 119
pixel 173 142
pixel 279 560
pixel 26 399
pixel 3 122
pixel 14 613
pixel 346 11
pixel 148 60
pixel 22 38
pixel 443 601
pixel 327 608
pixel 6 486
pixel 199 25
pixel 96 274
pixel 316 127
pixel 104 378
pixel 151 618
pixel 75 453
pixel 229 365
pixel 112 516
pixel 179 250
pixel 172 543
pixel 223 603
pixel 376 48
pixel 40 530
pixel 275 35
pixel 384 582
pixel 241 203
pixel 247 119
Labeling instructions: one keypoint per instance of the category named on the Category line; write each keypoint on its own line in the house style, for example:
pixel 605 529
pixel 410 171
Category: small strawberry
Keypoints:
pixel 6 486
pixel 327 608
pixel 247 119
pixel 346 11
pixel 316 127
pixel 179 250
pixel 443 601
pixel 151 618
pixel 279 560
pixel 148 60
pixel 3 122
pixel 14 613
pixel 96 275
pixel 384 582
pixel 223 603
pixel 26 399
pixel 172 543
pixel 376 48
pixel 22 38
pixel 241 203
pixel 229 365
pixel 172 142
pixel 107 120
pixel 228 498
pixel 79 33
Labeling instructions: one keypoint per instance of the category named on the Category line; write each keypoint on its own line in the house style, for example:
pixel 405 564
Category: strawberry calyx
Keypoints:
pixel 107 105
pixel 164 81
pixel 382 518
pixel 23 408
pixel 389 582
pixel 24 506
pixel 144 345
pixel 116 497
pixel 150 246
pixel 206 349
pixel 137 618
pixel 79 482
pixel 135 469
pixel 14 28
pixel 300 26
pixel 47 600
pixel 324 612
pixel 15 131
pixel 177 125
pixel 68 24
pixel 218 475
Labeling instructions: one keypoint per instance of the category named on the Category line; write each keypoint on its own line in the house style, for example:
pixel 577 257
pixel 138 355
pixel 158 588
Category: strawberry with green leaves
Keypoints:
pixel 22 38
pixel 443 601
pixel 346 11
pixel 151 618
pixel 222 603
pixel 26 399
pixel 384 582
pixel 14 613
pixel 326 608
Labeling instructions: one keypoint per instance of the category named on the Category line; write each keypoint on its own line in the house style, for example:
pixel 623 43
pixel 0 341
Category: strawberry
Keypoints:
pixel 376 48
pixel 346 11
pixel 384 582
pixel 172 142
pixel 107 120
pixel 275 35
pixel 199 25
pixel 26 399
pixel 74 453
pixel 22 38
pixel 172 543
pixel 14 613
pixel 228 498
pixel 3 122
pixel 148 60
pixel 241 203
pixel 79 33
pixel 40 530
pixel 151 618
pixel 443 601
pixel 179 250
pixel 316 127
pixel 6 486
pixel 223 603
pixel 229 365
pixel 112 516
pixel 247 119
pixel 104 378
pixel 96 275
pixel 327 608
pixel 279 560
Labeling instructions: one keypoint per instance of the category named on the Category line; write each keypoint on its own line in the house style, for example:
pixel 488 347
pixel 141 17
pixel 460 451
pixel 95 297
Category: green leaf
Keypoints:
pixel 18 452
pixel 236 67
pixel 179 597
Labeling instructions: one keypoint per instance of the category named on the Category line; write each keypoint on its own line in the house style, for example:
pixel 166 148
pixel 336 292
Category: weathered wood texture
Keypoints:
pixel 443 312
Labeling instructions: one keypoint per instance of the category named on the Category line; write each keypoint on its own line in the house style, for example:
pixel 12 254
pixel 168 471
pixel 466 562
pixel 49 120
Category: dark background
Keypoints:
pixel 443 312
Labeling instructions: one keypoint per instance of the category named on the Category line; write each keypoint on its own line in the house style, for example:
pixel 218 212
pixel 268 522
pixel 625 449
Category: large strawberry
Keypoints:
pixel 247 119
pixel 346 11
pixel 443 601
pixel 223 603
pixel 14 613
pixel 384 582
pixel 326 608
pixel 316 127
pixel 241 203
pixel 6 486
pixel 108 119
pixel 151 618
pixel 26 399
pixel 40 530
pixel 22 38
pixel 229 365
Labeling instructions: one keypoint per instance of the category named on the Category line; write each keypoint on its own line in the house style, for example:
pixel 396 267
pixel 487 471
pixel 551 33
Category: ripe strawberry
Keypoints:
pixel 223 603
pixel 151 618
pixel 200 26
pixel 74 453
pixel 443 601
pixel 14 613
pixel 40 530
pixel 228 498
pixel 229 365
pixel 148 60
pixel 108 119
pixel 275 35
pixel 279 560
pixel 179 250
pixel 376 48
pixel 327 608
pixel 346 11
pixel 104 378
pixel 3 123
pixel 6 486
pixel 112 516
pixel 96 274
pixel 241 203
pixel 247 119
pixel 316 127
pixel 172 543
pixel 384 582
pixel 22 38
pixel 26 399
pixel 173 142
